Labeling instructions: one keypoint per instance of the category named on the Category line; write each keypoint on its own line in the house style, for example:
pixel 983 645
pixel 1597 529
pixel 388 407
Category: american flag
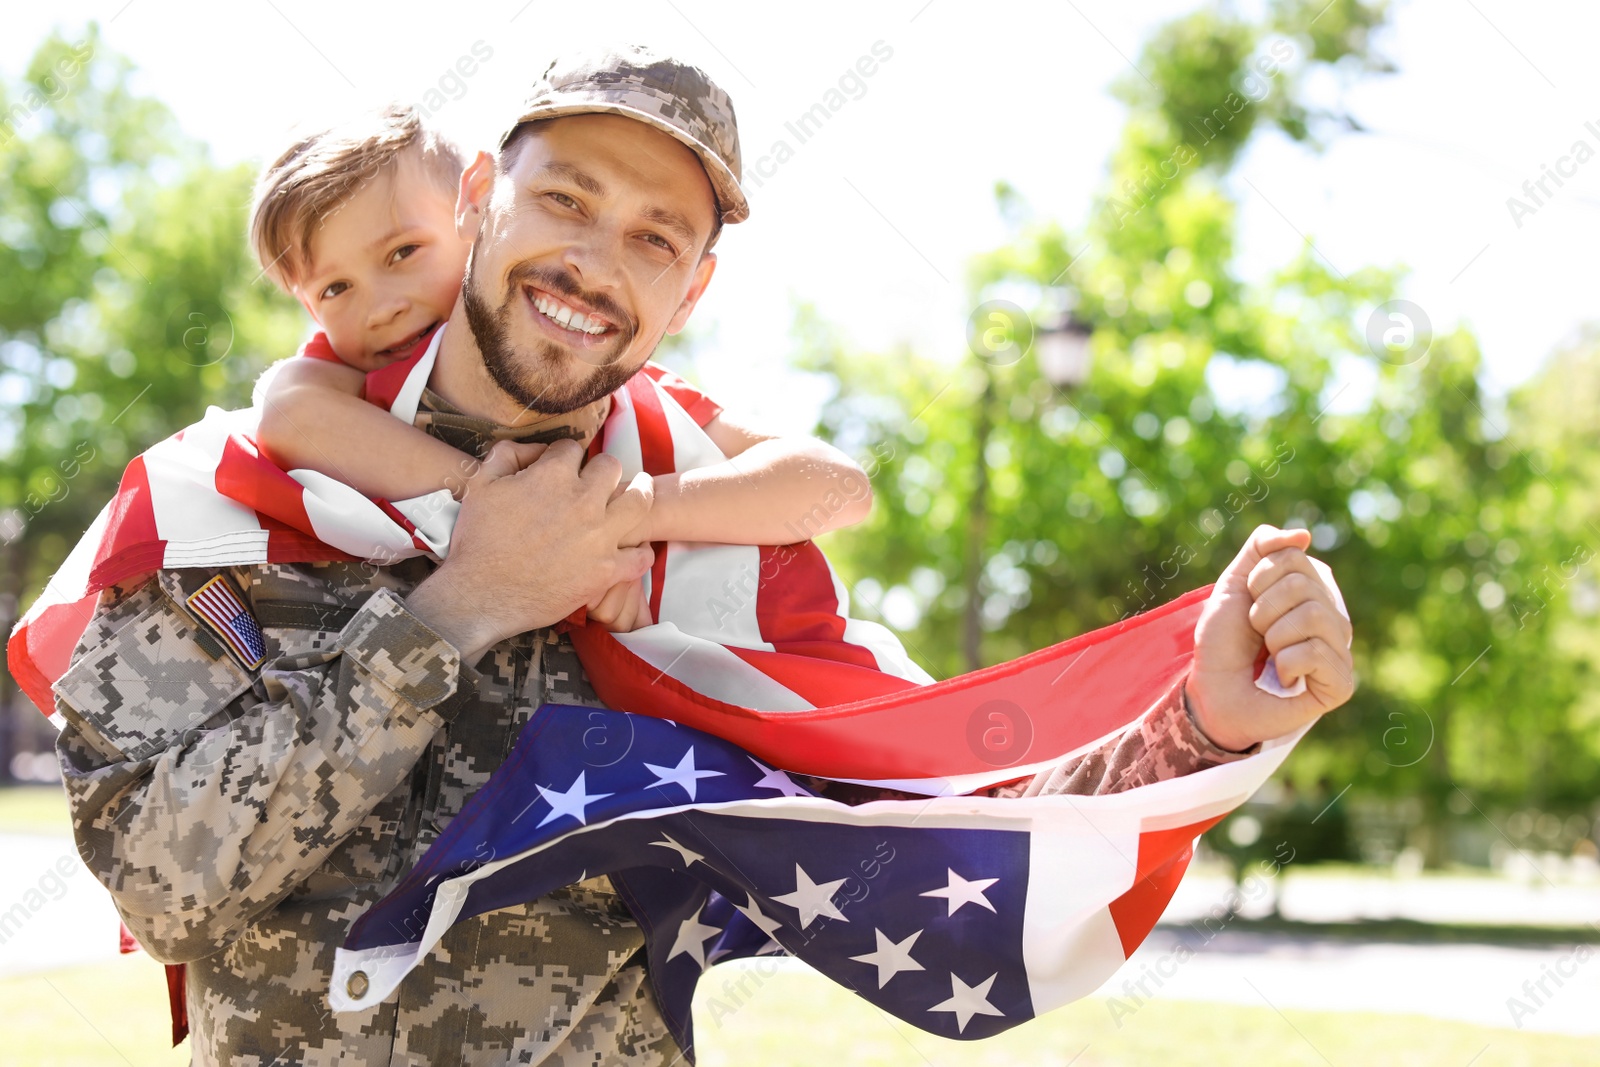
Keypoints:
pixel 784 675
pixel 217 603
pixel 964 916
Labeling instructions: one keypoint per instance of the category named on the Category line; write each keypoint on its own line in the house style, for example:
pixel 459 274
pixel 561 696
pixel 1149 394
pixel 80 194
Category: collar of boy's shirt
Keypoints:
pixel 476 436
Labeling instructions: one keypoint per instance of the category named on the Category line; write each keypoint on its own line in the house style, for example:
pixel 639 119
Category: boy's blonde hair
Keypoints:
pixel 319 172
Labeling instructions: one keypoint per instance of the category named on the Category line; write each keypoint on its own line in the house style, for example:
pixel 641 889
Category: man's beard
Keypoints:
pixel 533 377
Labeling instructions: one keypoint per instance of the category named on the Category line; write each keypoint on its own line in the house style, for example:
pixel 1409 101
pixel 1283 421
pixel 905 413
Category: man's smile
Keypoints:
pixel 566 315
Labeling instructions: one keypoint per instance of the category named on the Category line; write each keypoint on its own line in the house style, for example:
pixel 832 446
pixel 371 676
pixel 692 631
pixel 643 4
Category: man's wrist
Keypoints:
pixel 1209 732
pixel 458 624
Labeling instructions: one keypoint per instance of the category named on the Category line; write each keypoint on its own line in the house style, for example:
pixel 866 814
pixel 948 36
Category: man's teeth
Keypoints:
pixel 565 316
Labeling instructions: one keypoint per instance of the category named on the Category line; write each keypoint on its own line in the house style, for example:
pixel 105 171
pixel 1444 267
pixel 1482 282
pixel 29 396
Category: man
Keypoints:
pixel 243 818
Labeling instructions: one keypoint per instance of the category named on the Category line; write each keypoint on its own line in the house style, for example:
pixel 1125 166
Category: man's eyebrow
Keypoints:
pixel 568 173
pixel 675 221
pixel 672 220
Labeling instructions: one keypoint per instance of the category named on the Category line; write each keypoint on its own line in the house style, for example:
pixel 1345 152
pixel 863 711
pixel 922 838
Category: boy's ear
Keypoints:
pixel 477 182
pixel 702 278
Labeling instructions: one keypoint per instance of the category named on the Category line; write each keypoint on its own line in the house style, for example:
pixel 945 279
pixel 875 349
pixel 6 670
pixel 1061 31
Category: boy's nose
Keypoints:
pixel 387 311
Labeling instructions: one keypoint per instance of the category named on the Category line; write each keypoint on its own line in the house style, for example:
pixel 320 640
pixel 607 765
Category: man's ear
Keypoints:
pixel 472 196
pixel 702 278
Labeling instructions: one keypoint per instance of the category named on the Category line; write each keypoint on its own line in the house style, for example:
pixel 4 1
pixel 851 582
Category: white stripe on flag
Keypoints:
pixel 1076 866
pixel 691 446
pixel 710 590
pixel 343 518
pixel 622 435
pixel 188 510
pixel 409 397
pixel 708 668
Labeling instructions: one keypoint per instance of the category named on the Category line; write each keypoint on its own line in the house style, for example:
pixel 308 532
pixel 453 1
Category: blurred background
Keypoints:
pixel 1090 290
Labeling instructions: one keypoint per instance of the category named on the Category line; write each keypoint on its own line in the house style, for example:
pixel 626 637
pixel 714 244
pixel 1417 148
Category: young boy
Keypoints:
pixel 359 224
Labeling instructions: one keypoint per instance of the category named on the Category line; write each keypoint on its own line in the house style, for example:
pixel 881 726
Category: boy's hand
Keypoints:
pixel 643 532
pixel 1270 597
pixel 622 608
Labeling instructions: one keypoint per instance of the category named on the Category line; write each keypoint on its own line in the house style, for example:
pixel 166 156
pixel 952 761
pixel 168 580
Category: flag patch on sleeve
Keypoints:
pixel 218 606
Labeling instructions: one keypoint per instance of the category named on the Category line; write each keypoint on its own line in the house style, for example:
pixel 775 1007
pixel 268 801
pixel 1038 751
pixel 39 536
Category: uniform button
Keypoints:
pixel 357 985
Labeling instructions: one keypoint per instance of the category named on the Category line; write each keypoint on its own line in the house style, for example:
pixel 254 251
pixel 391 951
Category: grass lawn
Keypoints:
pixel 116 1012
pixel 34 809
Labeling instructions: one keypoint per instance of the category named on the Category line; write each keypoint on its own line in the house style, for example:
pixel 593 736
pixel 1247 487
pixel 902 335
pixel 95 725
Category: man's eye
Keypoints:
pixel 563 199
pixel 402 252
pixel 661 242
pixel 334 290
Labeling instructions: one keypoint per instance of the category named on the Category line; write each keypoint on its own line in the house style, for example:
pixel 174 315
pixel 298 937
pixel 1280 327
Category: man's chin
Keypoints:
pixel 551 380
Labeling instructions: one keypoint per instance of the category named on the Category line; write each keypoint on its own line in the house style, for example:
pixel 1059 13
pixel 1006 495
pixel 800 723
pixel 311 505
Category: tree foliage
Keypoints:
pixel 128 295
pixel 1216 402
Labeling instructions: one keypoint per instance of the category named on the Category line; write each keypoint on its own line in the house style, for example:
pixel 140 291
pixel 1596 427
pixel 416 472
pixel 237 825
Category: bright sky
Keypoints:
pixel 876 215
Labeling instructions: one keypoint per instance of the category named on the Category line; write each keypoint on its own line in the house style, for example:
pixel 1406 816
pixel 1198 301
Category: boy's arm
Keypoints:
pixel 313 418
pixel 769 491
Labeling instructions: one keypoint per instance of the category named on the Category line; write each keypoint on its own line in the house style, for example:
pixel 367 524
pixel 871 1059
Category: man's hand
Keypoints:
pixel 538 535
pixel 1269 597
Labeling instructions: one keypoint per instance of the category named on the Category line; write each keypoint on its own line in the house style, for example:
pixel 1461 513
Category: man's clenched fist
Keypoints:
pixel 1271 596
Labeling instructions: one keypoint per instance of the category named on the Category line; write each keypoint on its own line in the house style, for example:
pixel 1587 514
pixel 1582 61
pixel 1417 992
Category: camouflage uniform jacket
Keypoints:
pixel 242 819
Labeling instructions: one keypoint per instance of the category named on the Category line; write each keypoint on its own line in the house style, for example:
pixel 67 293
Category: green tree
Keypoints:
pixel 129 299
pixel 1013 512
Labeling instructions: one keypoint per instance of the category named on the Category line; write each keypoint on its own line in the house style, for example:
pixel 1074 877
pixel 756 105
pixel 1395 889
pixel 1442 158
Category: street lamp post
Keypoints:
pixel 1061 346
pixel 1062 349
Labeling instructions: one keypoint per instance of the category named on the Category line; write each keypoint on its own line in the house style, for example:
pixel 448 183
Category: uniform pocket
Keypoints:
pixel 150 685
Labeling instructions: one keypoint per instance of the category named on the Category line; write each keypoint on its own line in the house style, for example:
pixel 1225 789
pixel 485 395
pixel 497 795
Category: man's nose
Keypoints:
pixel 595 259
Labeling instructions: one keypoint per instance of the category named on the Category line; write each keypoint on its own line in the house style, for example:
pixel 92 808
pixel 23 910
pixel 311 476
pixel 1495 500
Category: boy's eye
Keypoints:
pixel 333 290
pixel 402 252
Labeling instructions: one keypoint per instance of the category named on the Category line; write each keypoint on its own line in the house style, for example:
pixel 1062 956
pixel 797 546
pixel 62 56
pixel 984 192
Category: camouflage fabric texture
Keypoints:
pixel 242 820
pixel 1164 743
pixel 678 99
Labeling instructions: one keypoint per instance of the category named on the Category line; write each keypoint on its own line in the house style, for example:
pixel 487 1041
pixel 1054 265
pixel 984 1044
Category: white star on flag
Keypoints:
pixel 967 1001
pixel 891 957
pixel 572 802
pixel 811 899
pixel 683 774
pixel 753 912
pixel 773 779
pixel 960 891
pixel 689 855
pixel 692 937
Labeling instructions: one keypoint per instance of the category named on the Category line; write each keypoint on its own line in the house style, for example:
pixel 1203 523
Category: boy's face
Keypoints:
pixel 589 251
pixel 385 266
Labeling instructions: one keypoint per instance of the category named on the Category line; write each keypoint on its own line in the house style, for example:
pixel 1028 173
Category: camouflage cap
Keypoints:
pixel 678 99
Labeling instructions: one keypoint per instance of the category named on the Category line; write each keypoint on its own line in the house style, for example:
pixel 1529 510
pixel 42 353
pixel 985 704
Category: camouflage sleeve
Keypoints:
pixel 1165 742
pixel 200 795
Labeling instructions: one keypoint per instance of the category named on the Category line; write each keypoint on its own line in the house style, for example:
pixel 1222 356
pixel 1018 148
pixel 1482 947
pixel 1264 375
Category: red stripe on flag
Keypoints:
pixel 798 609
pixel 383 385
pixel 701 408
pixel 1163 857
pixel 1073 693
pixel 130 544
pixel 39 653
pixel 823 684
pixel 247 476
pixel 657 456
